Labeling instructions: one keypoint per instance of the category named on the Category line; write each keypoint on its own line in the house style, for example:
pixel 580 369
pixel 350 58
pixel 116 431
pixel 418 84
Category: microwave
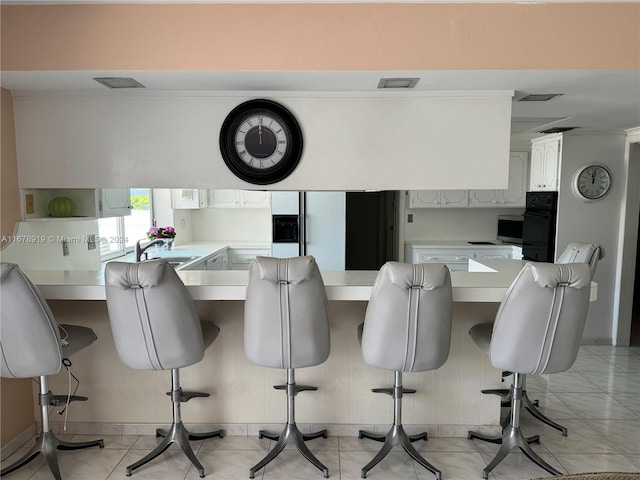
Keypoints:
pixel 510 228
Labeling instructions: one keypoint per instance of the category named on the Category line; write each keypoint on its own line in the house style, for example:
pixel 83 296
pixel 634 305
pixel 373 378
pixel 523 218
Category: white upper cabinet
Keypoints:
pixel 514 195
pixel 188 198
pixel 438 198
pixel 115 202
pixel 224 198
pixel 255 199
pixel 239 199
pixel 546 154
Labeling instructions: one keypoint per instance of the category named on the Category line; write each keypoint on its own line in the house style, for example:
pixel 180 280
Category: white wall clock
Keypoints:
pixel 591 182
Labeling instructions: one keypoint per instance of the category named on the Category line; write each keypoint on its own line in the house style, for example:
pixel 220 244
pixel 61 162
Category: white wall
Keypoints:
pixel 406 141
pixel 595 222
pixel 454 223
pixel 38 245
pixel 232 224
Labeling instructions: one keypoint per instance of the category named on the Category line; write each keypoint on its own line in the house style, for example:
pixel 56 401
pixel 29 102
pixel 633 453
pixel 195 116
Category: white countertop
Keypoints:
pixel 489 285
pixel 458 244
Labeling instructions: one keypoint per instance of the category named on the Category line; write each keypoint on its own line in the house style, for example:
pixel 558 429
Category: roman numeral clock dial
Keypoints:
pixel 261 142
pixel 591 182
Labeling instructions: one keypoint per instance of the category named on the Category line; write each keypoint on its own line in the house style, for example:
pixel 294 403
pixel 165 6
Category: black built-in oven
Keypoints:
pixel 539 227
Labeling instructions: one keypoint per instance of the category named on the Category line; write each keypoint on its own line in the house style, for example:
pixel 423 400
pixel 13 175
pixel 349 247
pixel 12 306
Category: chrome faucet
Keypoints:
pixel 141 250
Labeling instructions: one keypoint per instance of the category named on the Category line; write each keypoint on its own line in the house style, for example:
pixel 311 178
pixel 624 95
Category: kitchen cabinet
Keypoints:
pixel 438 198
pixel 239 199
pixel 188 198
pixel 241 258
pixel 115 202
pixel 546 155
pixel 89 202
pixel 514 195
pixel 456 257
pixel 507 252
pixel 229 258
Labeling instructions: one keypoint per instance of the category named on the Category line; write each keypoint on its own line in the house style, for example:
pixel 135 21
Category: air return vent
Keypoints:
pixel 540 97
pixel 557 129
pixel 398 82
pixel 119 82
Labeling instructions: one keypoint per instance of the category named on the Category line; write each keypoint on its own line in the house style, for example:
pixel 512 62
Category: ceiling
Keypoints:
pixel 605 101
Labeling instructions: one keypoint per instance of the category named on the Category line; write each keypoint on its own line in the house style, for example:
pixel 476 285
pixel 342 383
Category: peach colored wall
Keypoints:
pixel 321 36
pixel 16 395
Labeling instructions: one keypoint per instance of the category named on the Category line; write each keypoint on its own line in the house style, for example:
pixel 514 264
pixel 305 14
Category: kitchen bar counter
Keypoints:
pixel 488 282
pixel 448 401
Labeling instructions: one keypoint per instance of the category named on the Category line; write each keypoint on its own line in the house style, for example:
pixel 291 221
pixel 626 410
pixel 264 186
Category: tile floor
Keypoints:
pixel 598 400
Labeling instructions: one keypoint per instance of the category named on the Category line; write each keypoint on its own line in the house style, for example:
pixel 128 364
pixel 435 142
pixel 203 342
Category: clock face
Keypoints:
pixel 261 142
pixel 591 182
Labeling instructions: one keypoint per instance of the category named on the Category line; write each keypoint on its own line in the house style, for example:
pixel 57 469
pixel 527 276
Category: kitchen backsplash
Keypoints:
pixel 40 245
pixel 454 223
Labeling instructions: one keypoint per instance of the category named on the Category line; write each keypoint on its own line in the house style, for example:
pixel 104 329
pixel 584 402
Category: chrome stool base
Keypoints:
pixel 291 433
pixel 512 435
pixel 396 435
pixel 177 433
pixel 530 406
pixel 47 444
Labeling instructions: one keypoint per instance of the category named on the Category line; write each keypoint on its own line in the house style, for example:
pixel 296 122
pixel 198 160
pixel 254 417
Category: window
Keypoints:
pixel 120 234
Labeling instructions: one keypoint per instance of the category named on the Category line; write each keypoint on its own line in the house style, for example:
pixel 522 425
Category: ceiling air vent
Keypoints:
pixel 539 97
pixel 119 82
pixel 531 124
pixel 398 82
pixel 557 129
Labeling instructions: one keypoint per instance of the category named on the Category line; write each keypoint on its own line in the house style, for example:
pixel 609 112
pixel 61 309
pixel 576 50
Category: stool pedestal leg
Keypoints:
pixel 512 435
pixel 396 435
pixel 291 433
pixel 47 443
pixel 177 433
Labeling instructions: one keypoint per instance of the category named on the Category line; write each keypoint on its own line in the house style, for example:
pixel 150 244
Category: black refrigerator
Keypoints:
pixel 539 228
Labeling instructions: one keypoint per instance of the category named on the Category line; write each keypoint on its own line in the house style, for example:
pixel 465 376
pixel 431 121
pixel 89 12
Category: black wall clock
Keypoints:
pixel 261 141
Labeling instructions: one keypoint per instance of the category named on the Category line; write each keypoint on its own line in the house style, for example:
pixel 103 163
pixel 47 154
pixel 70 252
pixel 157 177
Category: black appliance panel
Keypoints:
pixel 539 228
pixel 285 229
pixel 545 201
pixel 510 228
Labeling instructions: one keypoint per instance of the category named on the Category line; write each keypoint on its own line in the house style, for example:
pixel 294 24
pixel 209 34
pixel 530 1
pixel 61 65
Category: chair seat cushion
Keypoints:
pixel 75 338
pixel 209 332
pixel 481 335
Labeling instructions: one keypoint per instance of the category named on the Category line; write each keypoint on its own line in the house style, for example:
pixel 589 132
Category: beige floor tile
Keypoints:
pixel 90 464
pixel 453 465
pixel 27 470
pixel 171 465
pixel 396 465
pixel 227 464
pixel 291 465
pixel 577 463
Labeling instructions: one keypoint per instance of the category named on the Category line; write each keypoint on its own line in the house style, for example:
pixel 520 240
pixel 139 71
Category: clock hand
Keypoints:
pixel 593 177
pixel 260 134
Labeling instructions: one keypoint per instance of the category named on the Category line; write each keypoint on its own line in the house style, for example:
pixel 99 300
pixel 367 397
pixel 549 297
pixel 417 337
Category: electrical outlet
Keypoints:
pixel 65 248
pixel 91 242
pixel 410 218
pixel 28 204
